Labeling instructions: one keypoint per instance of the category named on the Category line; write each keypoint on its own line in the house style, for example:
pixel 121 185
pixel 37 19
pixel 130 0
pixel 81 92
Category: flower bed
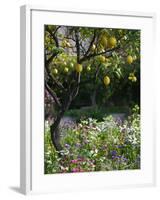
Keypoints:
pixel 96 146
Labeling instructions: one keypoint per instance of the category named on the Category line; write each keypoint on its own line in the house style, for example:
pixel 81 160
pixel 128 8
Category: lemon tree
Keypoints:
pixel 95 60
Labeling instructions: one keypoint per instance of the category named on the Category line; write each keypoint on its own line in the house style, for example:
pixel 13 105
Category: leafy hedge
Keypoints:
pixel 96 112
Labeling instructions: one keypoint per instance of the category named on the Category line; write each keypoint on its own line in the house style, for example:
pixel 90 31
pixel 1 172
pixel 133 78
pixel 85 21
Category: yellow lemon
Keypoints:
pixel 102 58
pixel 66 69
pixel 134 57
pixel 88 68
pixel 93 47
pixel 134 79
pixel 65 63
pixel 104 41
pixel 112 42
pixel 129 59
pixel 72 65
pixel 106 80
pixel 55 71
pixel 79 68
pixel 130 77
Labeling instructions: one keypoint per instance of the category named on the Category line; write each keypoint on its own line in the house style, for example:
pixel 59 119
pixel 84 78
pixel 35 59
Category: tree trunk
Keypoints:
pixel 93 98
pixel 54 128
pixel 55 132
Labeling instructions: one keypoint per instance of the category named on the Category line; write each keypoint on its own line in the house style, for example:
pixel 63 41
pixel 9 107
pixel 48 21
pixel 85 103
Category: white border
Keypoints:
pixel 32 178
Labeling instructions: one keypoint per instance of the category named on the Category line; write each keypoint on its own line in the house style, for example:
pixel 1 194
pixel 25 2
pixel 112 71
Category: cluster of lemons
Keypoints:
pixel 65 70
pixel 110 42
pixel 106 43
pixel 79 68
pixel 132 77
pixel 66 44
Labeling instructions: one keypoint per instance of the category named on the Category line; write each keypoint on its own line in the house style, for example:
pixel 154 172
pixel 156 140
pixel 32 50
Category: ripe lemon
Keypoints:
pixel 65 43
pixel 71 65
pixel 93 47
pixel 104 41
pixel 88 68
pixel 129 59
pixel 106 80
pixel 55 71
pixel 134 57
pixel 65 63
pixel 134 79
pixel 79 68
pixel 112 42
pixel 130 77
pixel 102 58
pixel 66 69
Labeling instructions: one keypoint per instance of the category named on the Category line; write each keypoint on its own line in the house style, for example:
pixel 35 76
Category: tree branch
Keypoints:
pixel 52 79
pixel 53 94
pixel 53 35
pixel 97 54
pixel 47 62
pixel 96 72
pixel 76 89
pixel 83 50
pixel 91 44
pixel 77 45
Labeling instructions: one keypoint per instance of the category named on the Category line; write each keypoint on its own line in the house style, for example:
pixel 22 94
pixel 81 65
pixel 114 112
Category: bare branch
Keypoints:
pixel 77 45
pixel 91 44
pixel 82 48
pixel 58 27
pixel 53 94
pixel 76 89
pixel 53 35
pixel 53 79
pixel 47 62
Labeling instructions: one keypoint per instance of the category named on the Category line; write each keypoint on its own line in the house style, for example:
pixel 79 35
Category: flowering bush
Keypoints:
pixel 96 146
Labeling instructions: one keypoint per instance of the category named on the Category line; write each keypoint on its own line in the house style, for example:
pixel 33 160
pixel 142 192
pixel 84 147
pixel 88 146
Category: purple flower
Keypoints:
pixel 78 145
pixel 119 146
pixel 114 153
pixel 125 159
pixel 67 145
pixel 80 158
pixel 119 121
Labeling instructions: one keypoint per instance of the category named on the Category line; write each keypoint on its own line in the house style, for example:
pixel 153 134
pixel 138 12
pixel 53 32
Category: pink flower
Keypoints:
pixel 74 161
pixel 75 170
